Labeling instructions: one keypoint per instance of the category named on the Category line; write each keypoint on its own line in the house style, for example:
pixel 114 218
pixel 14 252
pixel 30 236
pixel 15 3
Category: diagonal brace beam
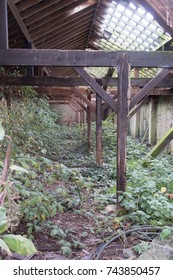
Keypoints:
pixel 96 87
pixel 146 89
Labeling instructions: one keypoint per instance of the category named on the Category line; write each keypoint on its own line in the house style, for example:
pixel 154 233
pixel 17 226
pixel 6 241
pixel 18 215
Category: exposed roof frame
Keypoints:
pixel 19 20
pixel 93 22
pixel 157 16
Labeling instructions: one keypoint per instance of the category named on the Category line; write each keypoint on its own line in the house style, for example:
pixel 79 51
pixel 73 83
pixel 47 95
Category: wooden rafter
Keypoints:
pixel 19 20
pixel 78 93
pixel 4 25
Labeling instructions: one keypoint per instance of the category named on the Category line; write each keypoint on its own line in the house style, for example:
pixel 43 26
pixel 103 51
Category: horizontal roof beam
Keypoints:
pixel 74 58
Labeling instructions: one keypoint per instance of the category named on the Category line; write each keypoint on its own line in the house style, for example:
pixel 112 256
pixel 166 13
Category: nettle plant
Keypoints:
pixel 9 212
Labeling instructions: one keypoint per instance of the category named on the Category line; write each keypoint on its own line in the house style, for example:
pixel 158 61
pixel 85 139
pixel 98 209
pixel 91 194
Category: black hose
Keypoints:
pixel 96 254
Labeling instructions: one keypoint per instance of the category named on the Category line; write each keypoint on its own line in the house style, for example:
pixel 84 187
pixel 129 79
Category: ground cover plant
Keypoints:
pixel 64 198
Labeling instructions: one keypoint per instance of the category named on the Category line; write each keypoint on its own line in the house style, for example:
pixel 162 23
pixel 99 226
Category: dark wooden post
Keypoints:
pixel 29 69
pixel 99 159
pixel 4 25
pixel 122 122
pixel 89 130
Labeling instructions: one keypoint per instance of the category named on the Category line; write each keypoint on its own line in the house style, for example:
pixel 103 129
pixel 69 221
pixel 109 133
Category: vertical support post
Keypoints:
pixel 122 122
pixel 79 120
pixel 152 121
pixel 29 69
pixel 89 132
pixel 99 159
pixel 4 25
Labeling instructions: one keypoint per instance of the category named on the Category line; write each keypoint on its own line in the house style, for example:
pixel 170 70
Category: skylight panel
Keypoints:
pixel 111 10
pixel 133 36
pixel 149 16
pixel 141 11
pixel 128 13
pixel 144 22
pixel 120 8
pixel 122 24
pixel 140 28
pixel 131 5
pixel 152 26
pixel 131 22
pixel 125 32
pixel 117 14
pixel 136 17
pixel 114 19
pixel 148 32
pixel 155 35
pixel 150 40
pixel 125 19
pixel 129 28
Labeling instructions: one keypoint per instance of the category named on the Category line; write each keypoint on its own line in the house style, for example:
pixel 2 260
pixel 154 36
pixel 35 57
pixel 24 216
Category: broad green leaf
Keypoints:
pixel 3 219
pixel 20 244
pixel 66 251
pixel 165 233
pixel 18 169
pixel 4 247
pixel 2 132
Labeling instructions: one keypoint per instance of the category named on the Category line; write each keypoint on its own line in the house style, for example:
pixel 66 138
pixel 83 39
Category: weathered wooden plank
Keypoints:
pixel 163 142
pixel 145 90
pixel 89 122
pixel 136 109
pixel 4 25
pixel 152 121
pixel 122 122
pixel 79 102
pixel 78 93
pixel 99 159
pixel 19 20
pixel 68 81
pixel 96 87
pixel 82 58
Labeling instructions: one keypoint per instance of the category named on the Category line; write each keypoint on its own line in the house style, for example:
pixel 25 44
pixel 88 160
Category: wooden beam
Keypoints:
pixel 96 87
pixel 68 81
pixel 78 93
pixel 79 102
pixel 93 22
pixel 145 90
pixel 19 20
pixel 82 58
pixel 99 159
pixel 89 122
pixel 122 122
pixel 163 142
pixel 4 25
pixel 105 106
pixel 136 109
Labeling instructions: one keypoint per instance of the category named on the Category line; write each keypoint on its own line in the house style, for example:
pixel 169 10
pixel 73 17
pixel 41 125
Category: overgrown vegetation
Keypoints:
pixel 53 173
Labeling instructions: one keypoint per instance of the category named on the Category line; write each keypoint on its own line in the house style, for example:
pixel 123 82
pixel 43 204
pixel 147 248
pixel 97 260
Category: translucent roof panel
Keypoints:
pixel 126 25
pixel 125 20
